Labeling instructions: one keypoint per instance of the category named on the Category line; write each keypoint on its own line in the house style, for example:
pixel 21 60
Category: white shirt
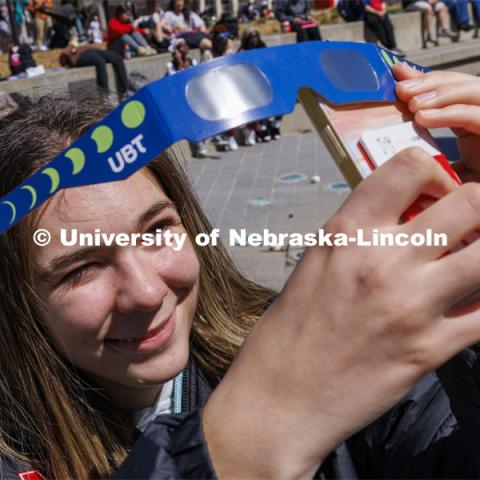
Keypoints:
pixel 177 19
pixel 162 405
pixel 158 16
pixel 95 32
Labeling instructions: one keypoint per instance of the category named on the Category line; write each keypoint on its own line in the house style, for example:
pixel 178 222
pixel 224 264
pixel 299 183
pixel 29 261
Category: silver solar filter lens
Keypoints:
pixel 229 91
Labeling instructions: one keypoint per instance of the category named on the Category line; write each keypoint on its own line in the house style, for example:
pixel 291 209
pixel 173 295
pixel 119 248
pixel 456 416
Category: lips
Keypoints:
pixel 149 342
pixel 139 338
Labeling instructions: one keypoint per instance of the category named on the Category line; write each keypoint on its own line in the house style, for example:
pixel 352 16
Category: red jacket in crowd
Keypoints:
pixel 117 29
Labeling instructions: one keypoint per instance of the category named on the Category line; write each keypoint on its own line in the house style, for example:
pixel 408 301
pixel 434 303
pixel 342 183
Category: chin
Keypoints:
pixel 164 366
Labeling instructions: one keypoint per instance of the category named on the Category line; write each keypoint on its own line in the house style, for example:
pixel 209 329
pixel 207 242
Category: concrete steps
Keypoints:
pixel 463 55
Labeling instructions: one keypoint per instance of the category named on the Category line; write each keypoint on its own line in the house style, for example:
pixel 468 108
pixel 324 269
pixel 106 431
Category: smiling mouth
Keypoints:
pixel 151 340
pixel 141 338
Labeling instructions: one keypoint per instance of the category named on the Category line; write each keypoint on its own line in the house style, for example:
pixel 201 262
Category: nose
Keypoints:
pixel 140 286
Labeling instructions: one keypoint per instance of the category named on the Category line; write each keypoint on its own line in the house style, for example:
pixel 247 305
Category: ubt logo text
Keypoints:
pixel 127 154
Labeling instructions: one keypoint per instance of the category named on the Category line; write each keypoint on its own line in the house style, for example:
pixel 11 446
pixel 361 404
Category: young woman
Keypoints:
pixel 122 31
pixel 93 337
pixel 187 24
pixel 78 312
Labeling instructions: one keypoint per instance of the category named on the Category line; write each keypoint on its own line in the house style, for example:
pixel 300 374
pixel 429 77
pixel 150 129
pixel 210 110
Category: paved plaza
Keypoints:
pixel 269 186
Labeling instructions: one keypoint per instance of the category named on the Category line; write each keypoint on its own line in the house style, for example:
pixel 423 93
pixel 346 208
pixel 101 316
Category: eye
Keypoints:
pixel 78 274
pixel 164 223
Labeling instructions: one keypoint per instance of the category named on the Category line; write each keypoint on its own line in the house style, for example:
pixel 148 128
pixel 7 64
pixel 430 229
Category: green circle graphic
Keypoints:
pixel 14 210
pixel 133 114
pixel 78 159
pixel 103 137
pixel 54 177
pixel 387 58
pixel 33 192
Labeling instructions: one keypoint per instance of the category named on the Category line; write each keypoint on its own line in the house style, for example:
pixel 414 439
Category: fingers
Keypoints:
pixel 452 335
pixel 382 197
pixel 462 331
pixel 446 94
pixel 456 216
pixel 456 277
pixel 452 116
pixel 441 99
pixel 419 84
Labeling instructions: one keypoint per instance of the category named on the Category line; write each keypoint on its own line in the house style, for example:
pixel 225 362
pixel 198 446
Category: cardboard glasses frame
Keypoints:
pixel 204 101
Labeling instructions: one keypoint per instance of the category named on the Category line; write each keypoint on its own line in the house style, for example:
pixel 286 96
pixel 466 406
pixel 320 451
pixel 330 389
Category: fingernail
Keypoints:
pixel 412 83
pixel 425 97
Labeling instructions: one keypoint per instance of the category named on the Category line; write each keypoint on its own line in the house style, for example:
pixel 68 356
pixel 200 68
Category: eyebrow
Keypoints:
pixel 64 261
pixel 156 208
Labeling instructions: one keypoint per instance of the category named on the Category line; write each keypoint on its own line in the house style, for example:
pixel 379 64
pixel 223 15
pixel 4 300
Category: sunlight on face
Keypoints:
pixel 121 314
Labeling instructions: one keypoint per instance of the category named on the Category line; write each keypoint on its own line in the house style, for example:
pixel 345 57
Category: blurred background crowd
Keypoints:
pixel 140 28
pixel 99 32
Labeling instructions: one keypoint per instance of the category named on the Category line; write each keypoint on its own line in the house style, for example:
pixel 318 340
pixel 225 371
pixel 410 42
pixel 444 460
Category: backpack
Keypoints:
pixel 351 10
pixel 20 58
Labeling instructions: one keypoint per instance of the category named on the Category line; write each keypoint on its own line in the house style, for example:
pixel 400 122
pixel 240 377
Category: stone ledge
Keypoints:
pixel 407 26
pixel 462 56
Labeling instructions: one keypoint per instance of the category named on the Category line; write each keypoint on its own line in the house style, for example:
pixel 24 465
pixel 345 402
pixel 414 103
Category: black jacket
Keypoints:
pixel 419 438
pixel 434 432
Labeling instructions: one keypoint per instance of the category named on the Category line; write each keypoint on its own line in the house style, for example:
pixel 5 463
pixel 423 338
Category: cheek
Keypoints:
pixel 82 312
pixel 180 269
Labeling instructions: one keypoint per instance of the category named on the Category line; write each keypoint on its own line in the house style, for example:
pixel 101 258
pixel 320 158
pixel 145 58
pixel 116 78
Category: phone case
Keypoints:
pixel 347 133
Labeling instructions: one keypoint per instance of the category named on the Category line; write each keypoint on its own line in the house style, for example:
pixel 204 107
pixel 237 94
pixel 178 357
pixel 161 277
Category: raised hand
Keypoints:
pixel 353 329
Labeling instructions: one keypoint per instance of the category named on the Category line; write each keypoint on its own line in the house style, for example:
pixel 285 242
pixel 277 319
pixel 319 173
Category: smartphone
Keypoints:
pixel 362 137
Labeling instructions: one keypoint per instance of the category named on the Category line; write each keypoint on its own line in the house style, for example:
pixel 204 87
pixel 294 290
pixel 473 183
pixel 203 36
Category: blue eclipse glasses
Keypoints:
pixel 203 101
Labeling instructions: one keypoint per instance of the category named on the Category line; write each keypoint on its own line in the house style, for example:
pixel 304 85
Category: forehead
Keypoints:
pixel 103 204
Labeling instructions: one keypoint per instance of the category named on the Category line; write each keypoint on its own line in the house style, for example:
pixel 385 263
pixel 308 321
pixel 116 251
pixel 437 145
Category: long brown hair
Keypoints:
pixel 51 418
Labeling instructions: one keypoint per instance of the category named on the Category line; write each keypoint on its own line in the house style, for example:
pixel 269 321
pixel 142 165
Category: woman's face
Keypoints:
pixel 183 48
pixel 125 17
pixel 179 4
pixel 121 313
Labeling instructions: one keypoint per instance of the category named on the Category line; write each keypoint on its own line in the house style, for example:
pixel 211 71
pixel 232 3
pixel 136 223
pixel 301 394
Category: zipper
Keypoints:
pixel 178 390
pixel 181 392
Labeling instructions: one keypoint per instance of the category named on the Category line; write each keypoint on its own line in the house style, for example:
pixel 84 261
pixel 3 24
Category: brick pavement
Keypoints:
pixel 234 189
